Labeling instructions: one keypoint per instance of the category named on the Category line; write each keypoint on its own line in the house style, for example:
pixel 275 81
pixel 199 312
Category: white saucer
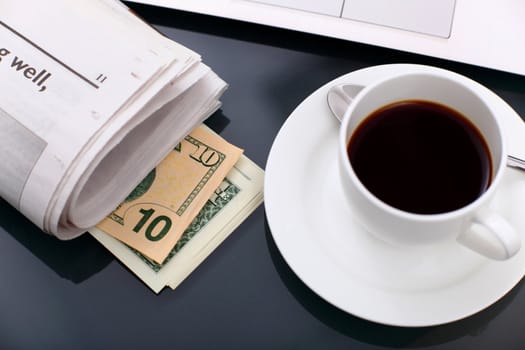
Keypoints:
pixel 314 230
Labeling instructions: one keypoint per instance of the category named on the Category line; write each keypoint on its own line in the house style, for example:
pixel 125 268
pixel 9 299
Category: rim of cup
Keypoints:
pixel 498 169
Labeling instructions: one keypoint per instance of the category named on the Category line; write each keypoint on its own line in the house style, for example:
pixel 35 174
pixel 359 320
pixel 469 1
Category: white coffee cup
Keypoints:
pixel 474 225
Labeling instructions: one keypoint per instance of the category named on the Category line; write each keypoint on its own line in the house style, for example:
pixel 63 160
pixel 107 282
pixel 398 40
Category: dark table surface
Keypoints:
pixel 76 295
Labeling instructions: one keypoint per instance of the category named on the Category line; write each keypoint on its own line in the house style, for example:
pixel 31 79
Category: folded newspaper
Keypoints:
pixel 92 100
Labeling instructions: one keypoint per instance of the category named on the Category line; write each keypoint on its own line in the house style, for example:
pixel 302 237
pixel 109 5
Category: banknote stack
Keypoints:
pixel 183 209
pixel 93 99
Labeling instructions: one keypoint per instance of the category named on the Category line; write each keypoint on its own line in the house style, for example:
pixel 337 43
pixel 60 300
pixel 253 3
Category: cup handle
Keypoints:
pixel 491 236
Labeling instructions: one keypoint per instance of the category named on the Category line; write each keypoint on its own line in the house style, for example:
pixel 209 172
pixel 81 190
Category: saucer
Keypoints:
pixel 315 232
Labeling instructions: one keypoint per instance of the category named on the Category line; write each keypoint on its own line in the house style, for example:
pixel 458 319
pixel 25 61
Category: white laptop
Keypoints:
pixel 480 32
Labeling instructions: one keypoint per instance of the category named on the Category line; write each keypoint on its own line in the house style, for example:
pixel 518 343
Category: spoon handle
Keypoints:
pixel 516 162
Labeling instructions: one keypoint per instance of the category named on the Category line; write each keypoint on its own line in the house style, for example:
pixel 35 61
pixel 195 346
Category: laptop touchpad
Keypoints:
pixel 432 17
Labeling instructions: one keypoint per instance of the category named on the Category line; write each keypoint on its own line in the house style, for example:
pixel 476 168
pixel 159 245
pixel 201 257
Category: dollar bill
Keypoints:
pixel 155 215
pixel 239 194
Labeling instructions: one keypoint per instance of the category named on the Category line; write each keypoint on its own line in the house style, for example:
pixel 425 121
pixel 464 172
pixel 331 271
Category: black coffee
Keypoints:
pixel 421 157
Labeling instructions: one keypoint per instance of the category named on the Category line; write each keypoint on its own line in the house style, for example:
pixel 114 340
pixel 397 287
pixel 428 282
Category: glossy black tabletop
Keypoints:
pixel 76 295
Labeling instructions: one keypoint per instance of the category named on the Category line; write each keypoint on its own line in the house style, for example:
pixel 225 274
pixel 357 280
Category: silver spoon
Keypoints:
pixel 340 96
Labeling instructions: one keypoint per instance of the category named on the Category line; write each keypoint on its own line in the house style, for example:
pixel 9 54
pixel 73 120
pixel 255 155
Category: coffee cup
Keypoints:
pixel 421 156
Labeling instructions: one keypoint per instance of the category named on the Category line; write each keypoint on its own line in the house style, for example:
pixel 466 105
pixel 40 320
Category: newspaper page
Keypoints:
pixel 92 99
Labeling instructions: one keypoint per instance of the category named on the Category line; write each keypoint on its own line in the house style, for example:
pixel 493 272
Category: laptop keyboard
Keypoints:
pixel 430 17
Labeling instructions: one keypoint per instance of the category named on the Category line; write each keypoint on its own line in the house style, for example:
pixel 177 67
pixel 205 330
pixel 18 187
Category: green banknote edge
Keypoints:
pixel 212 207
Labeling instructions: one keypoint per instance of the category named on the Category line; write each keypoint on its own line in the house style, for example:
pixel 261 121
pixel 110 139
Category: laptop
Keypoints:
pixel 478 32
